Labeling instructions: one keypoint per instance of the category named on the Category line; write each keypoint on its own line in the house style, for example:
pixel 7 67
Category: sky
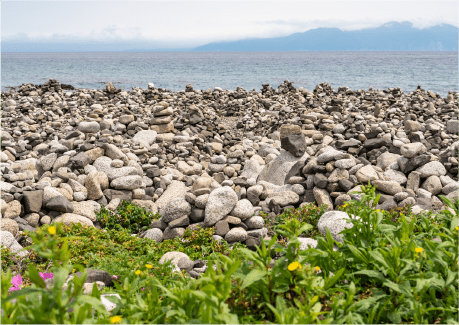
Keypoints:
pixel 193 23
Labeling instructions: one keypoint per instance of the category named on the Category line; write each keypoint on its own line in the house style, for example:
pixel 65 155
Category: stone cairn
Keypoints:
pixel 219 158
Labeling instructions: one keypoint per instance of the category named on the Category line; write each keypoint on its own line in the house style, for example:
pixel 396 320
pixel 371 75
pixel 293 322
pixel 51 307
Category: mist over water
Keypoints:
pixel 436 71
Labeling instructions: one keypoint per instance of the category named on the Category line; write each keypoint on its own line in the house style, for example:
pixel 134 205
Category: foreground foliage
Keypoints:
pixel 397 268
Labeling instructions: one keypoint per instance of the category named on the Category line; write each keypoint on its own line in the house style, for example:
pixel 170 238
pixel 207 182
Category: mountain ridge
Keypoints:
pixel 391 36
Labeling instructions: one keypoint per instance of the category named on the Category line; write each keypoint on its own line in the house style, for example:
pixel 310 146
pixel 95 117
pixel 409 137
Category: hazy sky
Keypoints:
pixel 190 23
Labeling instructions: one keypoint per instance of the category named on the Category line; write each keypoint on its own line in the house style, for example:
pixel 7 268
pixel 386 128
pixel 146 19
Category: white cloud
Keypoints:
pixel 191 23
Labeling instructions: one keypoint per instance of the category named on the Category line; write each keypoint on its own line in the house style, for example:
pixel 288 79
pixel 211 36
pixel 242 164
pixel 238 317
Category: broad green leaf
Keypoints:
pixel 304 228
pixel 451 276
pixel 398 287
pixel 448 202
pixel 94 302
pixel 454 223
pixel 372 273
pixel 358 254
pixel 35 277
pixel 252 277
pixel 330 282
pixel 379 257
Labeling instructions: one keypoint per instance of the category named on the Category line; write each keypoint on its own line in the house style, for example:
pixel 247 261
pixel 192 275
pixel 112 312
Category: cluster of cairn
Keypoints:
pixel 219 158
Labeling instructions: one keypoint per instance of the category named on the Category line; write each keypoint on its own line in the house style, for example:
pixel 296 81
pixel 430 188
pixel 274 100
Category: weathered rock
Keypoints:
pixel 236 234
pixel 70 218
pixel 154 234
pixel 220 202
pixel 335 222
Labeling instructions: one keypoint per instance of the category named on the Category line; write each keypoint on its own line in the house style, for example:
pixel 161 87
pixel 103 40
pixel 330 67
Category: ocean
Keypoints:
pixel 436 71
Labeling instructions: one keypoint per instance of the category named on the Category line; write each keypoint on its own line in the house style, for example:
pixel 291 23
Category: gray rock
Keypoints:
pixel 409 150
pixel 146 136
pixel 183 221
pixel 449 188
pixel 236 234
pixel 276 171
pixel 175 209
pixel 345 163
pixel 452 126
pixel 220 202
pixel 388 187
pixel 13 210
pixel 89 127
pixel 395 176
pixel 307 243
pixel 433 168
pixel 50 193
pixel 48 161
pixel 243 209
pixel 221 228
pixel 127 182
pixel 433 185
pixel 173 257
pixel 201 201
pixel 185 263
pixel 366 173
pixel 174 190
pixel 323 197
pixel 154 234
pixel 257 233
pixel 335 221
pixel 71 218
pixel 284 198
pixel 386 159
pixel 197 215
pixel 9 225
pixel 170 233
pixel 32 201
pixel 337 175
pixel 295 144
pixel 255 222
pixel 61 204
pixel 7 240
pixel 331 154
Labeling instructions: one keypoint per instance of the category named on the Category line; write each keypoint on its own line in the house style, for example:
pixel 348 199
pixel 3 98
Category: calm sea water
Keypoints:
pixel 436 71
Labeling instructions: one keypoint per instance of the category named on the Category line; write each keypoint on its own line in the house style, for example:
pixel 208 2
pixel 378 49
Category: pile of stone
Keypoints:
pixel 219 158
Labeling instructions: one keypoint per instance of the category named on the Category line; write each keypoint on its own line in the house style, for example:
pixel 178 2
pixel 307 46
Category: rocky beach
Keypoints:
pixel 229 159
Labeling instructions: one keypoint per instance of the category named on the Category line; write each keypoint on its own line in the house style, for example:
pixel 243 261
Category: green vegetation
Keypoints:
pixel 126 216
pixel 307 214
pixel 393 267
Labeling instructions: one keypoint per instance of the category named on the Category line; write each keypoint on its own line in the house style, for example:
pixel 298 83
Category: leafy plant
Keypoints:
pixel 127 215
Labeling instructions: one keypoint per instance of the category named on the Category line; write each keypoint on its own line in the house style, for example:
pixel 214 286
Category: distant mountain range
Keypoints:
pixel 393 36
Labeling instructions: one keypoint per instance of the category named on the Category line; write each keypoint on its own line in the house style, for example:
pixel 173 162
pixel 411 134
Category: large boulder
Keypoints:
pixel 174 190
pixel 336 222
pixel 70 218
pixel 220 202
pixel 175 209
pixel 276 171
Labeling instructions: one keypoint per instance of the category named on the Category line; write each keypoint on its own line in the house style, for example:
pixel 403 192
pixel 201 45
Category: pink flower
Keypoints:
pixel 45 276
pixel 16 281
pixel 115 277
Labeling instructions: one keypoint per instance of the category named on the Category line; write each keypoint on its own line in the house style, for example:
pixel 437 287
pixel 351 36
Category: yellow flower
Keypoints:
pixel 293 266
pixel 74 270
pixel 148 266
pixel 418 249
pixel 457 228
pixel 378 210
pixel 317 269
pixel 52 230
pixel 115 319
pixel 137 272
pixel 345 205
